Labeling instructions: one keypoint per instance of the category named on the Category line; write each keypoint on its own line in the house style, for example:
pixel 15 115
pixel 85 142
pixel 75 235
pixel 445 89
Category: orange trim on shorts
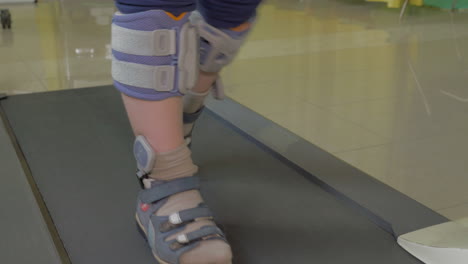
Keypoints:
pixel 176 18
pixel 241 27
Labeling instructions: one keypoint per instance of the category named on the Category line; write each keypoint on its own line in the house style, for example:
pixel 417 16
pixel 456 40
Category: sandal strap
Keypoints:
pixel 195 236
pixel 169 188
pixel 203 232
pixel 191 118
pixel 183 217
pixel 190 215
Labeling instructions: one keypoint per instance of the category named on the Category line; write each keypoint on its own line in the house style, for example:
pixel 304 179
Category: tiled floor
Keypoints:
pixel 387 96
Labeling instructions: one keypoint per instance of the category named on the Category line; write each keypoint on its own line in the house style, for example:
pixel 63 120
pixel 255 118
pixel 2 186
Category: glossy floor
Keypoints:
pixel 387 96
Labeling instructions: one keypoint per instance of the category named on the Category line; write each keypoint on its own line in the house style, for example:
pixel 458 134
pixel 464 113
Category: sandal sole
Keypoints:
pixel 143 233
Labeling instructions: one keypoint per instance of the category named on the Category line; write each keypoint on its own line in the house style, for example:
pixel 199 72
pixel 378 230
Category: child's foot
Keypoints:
pixel 171 213
pixel 178 226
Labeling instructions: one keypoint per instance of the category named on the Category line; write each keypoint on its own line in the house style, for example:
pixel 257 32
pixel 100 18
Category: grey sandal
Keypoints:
pixel 156 229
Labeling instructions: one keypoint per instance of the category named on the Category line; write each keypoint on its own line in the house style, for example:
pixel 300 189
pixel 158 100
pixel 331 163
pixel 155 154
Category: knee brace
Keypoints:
pixel 218 47
pixel 155 54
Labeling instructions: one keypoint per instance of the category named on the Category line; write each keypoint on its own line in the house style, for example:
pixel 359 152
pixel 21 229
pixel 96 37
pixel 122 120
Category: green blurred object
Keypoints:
pixel 447 4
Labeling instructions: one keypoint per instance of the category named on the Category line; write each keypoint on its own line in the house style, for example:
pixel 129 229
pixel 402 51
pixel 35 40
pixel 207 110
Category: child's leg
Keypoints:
pixel 223 26
pixel 154 65
pixel 159 121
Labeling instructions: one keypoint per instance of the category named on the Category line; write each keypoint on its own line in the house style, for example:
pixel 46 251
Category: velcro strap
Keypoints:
pixel 160 42
pixel 204 232
pixel 159 78
pixel 199 234
pixel 188 58
pixel 194 213
pixel 167 189
pixel 191 118
pixel 183 217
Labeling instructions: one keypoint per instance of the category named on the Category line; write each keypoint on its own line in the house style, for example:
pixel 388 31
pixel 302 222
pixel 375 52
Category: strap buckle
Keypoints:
pixel 141 175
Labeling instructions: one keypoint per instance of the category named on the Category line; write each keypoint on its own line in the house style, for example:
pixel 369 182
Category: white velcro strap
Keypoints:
pixel 159 78
pixel 175 219
pixel 160 42
pixel 188 58
pixel 182 239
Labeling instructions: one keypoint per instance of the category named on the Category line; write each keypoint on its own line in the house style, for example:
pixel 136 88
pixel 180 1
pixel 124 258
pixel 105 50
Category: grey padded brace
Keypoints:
pixel 223 48
pixel 159 78
pixel 167 189
pixel 161 42
pixel 179 76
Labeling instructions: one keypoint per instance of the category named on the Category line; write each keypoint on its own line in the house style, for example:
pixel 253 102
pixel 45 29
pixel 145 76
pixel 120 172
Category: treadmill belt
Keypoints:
pixel 78 145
